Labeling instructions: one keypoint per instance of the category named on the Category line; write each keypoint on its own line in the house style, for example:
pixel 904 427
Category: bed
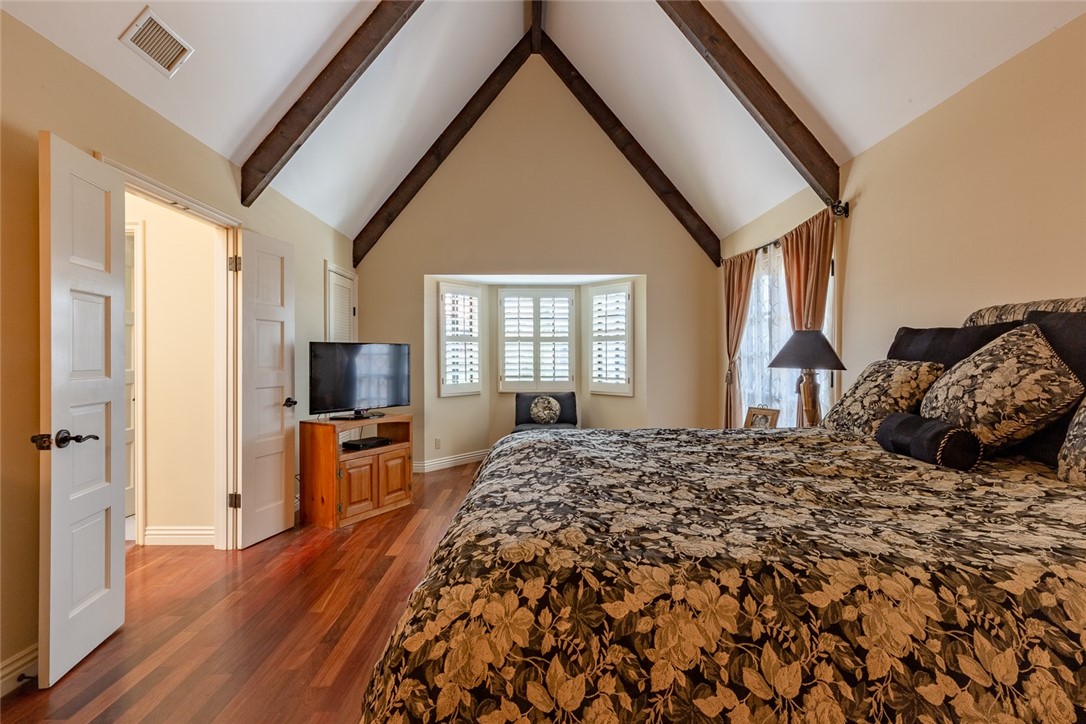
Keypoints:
pixel 744 575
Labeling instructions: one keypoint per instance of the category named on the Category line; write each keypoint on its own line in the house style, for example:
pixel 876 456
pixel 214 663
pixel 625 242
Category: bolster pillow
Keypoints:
pixel 928 440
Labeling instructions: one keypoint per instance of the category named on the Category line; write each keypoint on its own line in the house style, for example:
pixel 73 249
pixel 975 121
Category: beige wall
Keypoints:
pixel 773 224
pixel 43 88
pixel 184 333
pixel 537 188
pixel 980 201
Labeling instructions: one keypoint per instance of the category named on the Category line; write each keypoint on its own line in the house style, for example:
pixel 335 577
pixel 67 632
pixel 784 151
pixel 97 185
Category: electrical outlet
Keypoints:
pixel 437 443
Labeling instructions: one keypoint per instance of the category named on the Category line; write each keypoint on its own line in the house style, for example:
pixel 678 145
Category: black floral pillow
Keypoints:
pixel 1072 460
pixel 1005 391
pixel 885 387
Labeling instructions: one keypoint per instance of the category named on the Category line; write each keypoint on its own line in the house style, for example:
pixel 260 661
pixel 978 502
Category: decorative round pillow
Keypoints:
pixel 544 410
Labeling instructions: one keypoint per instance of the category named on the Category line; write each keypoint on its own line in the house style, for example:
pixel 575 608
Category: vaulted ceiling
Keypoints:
pixel 852 72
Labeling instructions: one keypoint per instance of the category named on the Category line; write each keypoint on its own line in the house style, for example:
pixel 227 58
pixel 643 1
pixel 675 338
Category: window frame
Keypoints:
pixel 536 385
pixel 599 387
pixel 785 399
pixel 459 389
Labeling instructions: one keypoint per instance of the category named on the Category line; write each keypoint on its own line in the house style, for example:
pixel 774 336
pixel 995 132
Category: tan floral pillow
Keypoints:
pixel 545 410
pixel 1007 390
pixel 885 387
pixel 1072 460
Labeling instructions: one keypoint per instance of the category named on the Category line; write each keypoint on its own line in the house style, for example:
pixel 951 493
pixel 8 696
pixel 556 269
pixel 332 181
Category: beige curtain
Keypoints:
pixel 738 273
pixel 808 252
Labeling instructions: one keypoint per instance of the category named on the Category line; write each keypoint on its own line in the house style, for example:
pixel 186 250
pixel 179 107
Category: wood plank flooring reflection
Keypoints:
pixel 285 631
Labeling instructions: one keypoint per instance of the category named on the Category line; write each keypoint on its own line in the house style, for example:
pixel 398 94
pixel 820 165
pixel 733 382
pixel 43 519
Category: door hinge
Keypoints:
pixel 234 263
pixel 339 473
pixel 233 500
pixel 339 507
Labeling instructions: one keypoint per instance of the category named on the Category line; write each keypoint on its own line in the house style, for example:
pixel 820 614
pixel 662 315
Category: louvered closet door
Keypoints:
pixel 340 305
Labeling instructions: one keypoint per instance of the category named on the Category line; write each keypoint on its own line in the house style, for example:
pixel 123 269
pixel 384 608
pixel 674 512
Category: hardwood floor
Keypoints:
pixel 285 631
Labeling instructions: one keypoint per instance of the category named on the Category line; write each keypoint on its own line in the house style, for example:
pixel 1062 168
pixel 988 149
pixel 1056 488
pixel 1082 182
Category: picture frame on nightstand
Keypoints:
pixel 761 417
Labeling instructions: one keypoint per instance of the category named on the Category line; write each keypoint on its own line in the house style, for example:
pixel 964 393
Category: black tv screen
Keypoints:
pixel 358 376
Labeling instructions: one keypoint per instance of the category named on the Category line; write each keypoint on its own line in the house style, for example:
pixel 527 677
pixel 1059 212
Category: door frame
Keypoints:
pixel 138 413
pixel 140 185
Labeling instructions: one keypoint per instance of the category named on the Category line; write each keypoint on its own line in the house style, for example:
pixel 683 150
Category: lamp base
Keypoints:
pixel 807 386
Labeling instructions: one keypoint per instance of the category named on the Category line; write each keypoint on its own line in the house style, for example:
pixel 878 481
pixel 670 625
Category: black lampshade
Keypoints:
pixel 807 350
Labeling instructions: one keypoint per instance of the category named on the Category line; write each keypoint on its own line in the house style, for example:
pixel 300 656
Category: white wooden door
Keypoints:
pixel 266 479
pixel 81 580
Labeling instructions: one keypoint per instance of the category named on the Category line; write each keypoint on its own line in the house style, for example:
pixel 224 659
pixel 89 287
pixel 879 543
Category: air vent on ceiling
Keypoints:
pixel 155 42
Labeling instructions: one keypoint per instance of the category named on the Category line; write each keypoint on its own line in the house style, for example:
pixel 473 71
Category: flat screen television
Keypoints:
pixel 357 377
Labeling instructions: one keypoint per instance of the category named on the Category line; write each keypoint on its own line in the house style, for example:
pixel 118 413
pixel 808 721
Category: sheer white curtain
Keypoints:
pixel 768 328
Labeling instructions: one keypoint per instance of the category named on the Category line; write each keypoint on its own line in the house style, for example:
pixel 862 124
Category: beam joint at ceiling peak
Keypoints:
pixel 322 95
pixel 761 100
pixel 537 26
pixel 638 157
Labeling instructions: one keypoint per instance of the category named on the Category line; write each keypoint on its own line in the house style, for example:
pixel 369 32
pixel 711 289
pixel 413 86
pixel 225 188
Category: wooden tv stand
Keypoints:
pixel 341 486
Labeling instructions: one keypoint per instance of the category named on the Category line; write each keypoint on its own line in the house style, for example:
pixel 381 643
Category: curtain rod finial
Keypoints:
pixel 839 208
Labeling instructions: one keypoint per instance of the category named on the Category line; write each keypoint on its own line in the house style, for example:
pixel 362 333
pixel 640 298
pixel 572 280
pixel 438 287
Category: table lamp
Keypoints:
pixel 808 351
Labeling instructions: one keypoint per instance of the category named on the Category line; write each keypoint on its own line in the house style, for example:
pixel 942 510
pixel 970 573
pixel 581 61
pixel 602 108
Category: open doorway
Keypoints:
pixel 176 350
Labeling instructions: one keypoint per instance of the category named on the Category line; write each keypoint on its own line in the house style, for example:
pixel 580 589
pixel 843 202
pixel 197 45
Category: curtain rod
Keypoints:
pixel 837 208
pixel 765 246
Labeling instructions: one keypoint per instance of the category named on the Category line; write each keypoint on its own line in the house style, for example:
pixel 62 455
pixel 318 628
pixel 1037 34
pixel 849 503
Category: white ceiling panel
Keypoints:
pixel 251 60
pixel 855 72
pixel 357 157
pixel 676 107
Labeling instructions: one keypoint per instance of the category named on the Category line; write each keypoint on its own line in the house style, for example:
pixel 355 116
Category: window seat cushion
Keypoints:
pixel 535 426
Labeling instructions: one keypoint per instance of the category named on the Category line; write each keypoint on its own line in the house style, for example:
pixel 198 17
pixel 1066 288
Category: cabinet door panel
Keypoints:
pixel 395 478
pixel 358 487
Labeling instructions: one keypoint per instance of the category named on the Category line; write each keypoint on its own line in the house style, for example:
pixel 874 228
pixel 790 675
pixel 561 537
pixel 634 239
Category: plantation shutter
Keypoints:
pixel 518 339
pixel 611 369
pixel 537 349
pixel 460 322
pixel 554 322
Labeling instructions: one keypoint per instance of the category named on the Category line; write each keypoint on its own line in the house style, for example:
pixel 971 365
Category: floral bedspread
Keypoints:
pixel 740 575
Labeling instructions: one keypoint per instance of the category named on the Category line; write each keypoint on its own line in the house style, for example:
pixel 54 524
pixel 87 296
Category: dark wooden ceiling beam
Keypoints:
pixel 322 95
pixel 537 26
pixel 441 148
pixel 760 99
pixel 632 150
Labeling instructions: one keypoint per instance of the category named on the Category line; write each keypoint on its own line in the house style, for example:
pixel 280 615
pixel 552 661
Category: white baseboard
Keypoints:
pixel 179 535
pixel 428 466
pixel 24 662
